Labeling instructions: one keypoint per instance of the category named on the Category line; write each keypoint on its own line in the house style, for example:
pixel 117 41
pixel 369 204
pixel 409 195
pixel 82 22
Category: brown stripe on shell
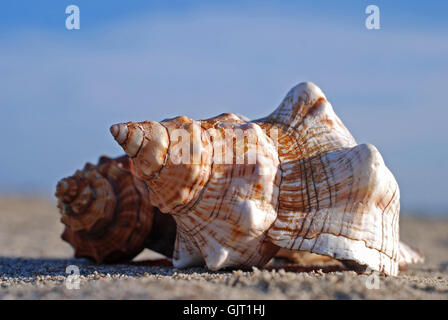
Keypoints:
pixel 119 218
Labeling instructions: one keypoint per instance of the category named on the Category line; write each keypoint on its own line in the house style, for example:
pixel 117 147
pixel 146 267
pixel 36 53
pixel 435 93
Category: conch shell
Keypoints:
pixel 107 214
pixel 296 179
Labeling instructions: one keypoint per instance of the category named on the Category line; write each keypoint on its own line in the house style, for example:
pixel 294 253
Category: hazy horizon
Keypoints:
pixel 150 60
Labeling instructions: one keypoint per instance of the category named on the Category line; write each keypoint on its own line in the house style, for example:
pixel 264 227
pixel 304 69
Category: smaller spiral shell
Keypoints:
pixel 105 210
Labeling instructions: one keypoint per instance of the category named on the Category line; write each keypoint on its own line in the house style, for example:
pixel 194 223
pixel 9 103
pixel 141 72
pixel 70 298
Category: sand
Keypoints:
pixel 33 262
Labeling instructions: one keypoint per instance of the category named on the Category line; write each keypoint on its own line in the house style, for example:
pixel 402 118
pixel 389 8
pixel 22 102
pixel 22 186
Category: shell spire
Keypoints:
pixel 147 139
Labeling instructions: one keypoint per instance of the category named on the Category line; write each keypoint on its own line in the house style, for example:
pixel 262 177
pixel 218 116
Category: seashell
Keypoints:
pixel 295 179
pixel 305 258
pixel 107 214
pixel 408 256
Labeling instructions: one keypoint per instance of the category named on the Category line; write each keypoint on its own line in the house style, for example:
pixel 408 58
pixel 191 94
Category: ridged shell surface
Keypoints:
pixel 337 198
pixel 105 210
pixel 309 187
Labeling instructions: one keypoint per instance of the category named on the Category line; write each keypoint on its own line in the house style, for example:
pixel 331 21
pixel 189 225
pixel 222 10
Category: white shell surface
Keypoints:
pixel 336 198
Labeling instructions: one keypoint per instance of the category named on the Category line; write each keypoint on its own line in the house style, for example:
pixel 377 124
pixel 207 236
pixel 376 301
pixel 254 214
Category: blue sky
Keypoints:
pixel 138 60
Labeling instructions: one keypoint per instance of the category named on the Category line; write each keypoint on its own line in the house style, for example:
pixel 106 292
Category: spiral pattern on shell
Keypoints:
pixel 105 210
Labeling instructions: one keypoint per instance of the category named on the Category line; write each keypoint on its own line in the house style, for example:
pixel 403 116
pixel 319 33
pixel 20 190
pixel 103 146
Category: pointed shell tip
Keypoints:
pixel 309 91
pixel 119 132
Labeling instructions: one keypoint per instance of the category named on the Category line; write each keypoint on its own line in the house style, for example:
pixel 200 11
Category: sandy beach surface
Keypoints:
pixel 34 261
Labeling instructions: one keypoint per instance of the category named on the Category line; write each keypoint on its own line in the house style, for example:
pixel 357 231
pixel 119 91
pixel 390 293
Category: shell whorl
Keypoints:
pixel 146 143
pixel 161 161
pixel 67 189
pixel 105 210
pixel 86 191
pixel 337 198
